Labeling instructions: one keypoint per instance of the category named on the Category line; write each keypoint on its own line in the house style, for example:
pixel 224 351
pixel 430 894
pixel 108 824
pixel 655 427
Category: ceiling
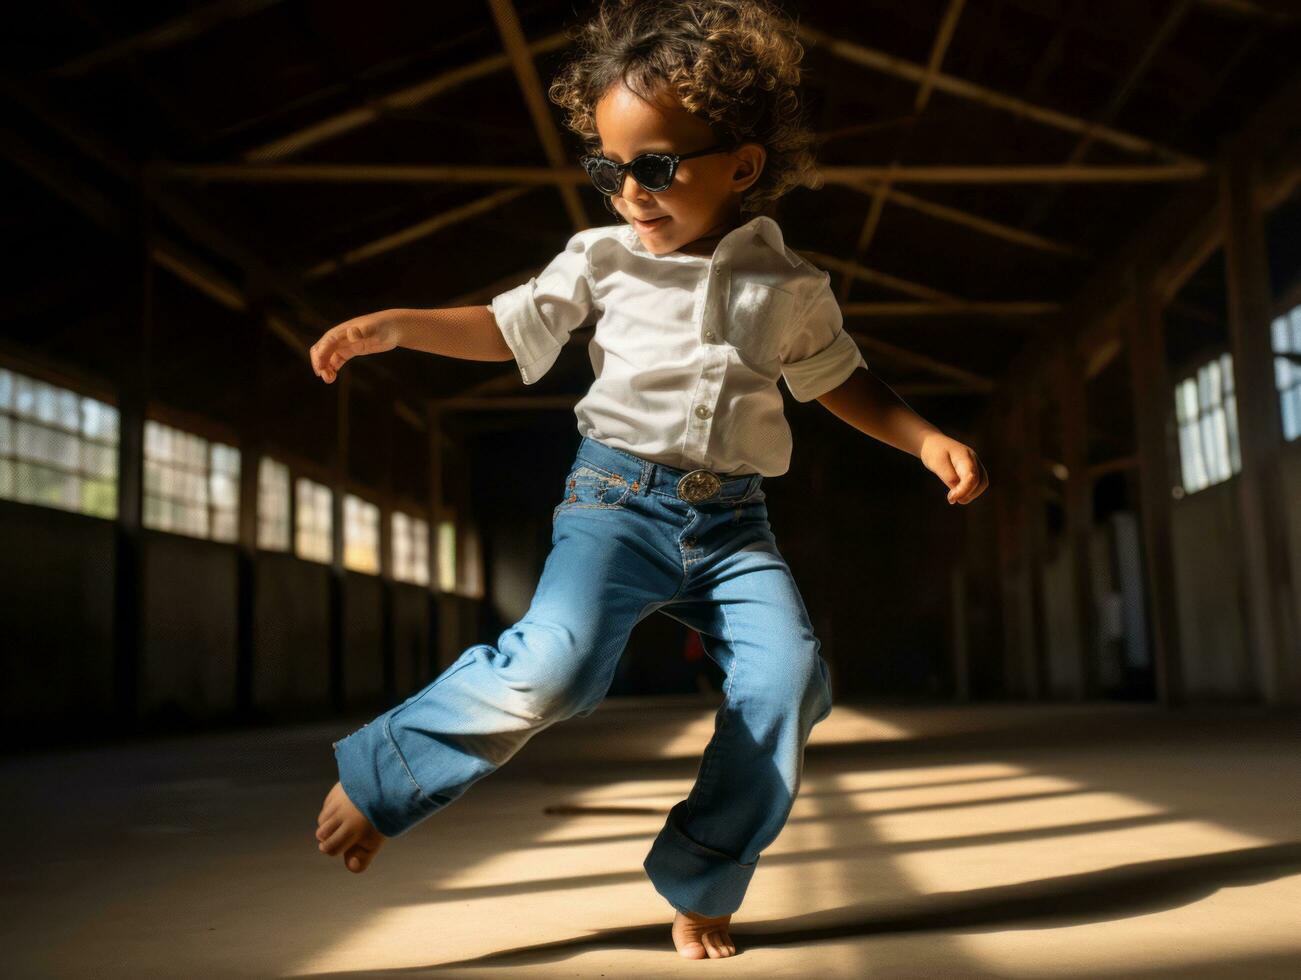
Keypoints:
pixel 944 273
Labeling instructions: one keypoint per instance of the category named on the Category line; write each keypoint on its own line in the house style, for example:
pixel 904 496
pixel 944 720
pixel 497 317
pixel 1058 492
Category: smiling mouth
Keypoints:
pixel 650 221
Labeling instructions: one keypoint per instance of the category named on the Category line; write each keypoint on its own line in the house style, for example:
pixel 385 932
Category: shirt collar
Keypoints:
pixel 761 226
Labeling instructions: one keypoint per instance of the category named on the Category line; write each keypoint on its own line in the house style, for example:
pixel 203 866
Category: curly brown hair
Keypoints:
pixel 733 63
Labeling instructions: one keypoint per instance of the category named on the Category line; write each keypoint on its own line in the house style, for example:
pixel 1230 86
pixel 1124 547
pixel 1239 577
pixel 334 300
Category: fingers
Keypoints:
pixel 337 346
pixel 974 481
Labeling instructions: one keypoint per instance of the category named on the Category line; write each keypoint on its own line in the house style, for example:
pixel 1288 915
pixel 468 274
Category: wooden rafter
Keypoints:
pixel 943 35
pixel 517 49
pixel 910 71
pixel 403 99
pixel 1169 24
pixel 904 356
pixel 994 229
pixel 183 28
pixel 853 270
pixel 423 229
pixel 1010 308
pixel 347 173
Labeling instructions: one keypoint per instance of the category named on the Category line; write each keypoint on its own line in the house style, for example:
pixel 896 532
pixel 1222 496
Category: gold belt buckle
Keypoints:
pixel 698 485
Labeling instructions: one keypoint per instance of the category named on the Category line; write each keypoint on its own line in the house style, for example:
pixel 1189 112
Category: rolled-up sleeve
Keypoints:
pixel 819 354
pixel 537 317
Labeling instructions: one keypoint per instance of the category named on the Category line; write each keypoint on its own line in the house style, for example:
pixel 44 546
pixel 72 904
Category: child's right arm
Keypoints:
pixel 466 332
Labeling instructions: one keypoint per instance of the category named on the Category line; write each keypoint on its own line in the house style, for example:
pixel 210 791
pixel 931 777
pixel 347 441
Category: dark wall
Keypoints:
pixel 187 668
pixel 56 589
pixel 57 583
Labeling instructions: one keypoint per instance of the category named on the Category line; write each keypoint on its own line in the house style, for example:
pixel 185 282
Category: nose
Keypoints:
pixel 630 183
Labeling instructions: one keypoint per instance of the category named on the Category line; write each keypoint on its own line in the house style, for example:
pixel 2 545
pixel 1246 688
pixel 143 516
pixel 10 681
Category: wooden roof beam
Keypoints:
pixel 1169 24
pixel 347 173
pixel 1009 308
pixel 415 232
pixel 526 72
pixel 960 88
pixel 994 229
pixel 904 356
pixel 183 28
pixel 943 35
pixel 398 101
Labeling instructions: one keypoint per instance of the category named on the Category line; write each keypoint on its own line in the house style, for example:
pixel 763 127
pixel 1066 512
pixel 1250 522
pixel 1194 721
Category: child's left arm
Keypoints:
pixel 869 405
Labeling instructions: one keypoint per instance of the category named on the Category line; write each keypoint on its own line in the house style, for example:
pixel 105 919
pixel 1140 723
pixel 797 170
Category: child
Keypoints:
pixel 691 115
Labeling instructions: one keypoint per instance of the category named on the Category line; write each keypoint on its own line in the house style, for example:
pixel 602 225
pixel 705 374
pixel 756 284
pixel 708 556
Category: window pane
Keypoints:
pixel 195 483
pixel 447 556
pixel 360 535
pixel 273 505
pixel 1208 425
pixel 52 461
pixel 313 536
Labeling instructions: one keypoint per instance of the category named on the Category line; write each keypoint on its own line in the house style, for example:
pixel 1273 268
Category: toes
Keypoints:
pixel 328 826
pixel 340 838
pixel 357 858
pixel 693 950
pixel 711 945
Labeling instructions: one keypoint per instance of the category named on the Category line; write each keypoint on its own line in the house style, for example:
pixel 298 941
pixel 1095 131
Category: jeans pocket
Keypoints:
pixel 592 487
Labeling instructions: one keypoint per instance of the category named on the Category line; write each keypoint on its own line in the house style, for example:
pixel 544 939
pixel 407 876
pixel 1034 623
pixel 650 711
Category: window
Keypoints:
pixel 360 535
pixel 272 505
pixel 191 484
pixel 410 548
pixel 1207 413
pixel 471 563
pixel 314 532
pixel 1287 371
pixel 460 564
pixel 57 448
pixel 447 556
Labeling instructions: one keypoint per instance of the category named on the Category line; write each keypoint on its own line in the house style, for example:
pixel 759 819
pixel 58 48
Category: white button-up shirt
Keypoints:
pixel 687 349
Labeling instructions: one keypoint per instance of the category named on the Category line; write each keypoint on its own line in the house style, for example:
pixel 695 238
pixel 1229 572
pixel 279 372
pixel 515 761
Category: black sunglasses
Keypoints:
pixel 654 171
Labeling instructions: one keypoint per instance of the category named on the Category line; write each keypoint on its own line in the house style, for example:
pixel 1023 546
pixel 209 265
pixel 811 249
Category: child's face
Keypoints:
pixel 704 198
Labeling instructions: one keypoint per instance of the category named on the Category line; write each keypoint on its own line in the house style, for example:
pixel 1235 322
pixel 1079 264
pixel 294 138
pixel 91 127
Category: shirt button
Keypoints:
pixel 718 270
pixel 709 335
pixel 702 411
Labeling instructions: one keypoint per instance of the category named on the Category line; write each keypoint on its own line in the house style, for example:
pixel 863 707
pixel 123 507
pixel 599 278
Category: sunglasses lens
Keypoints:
pixel 653 172
pixel 605 175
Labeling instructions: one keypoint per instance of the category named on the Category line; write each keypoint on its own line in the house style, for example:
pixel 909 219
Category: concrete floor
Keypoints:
pixel 988 841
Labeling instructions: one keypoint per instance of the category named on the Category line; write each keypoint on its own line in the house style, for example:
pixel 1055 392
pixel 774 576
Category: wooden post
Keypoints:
pixel 128 552
pixel 1011 550
pixel 438 604
pixel 387 631
pixel 251 421
pixel 1031 515
pixel 1153 402
pixel 1078 500
pixel 338 578
pixel 1271 629
pixel 960 630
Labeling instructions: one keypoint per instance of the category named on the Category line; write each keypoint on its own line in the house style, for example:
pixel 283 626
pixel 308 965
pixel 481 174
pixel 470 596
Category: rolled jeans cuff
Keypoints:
pixel 693 877
pixel 378 781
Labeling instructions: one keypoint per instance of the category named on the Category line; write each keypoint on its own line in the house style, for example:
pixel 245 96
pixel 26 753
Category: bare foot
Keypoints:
pixel 700 936
pixel 342 828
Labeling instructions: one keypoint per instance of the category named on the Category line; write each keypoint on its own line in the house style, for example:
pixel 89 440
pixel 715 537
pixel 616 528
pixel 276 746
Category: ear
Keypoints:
pixel 750 158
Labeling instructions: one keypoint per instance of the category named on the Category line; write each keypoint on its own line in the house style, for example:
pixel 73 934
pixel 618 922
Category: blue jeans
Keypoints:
pixel 624 545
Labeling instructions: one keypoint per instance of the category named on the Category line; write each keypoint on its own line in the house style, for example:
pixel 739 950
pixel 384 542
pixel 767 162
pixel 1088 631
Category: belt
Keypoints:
pixel 699 485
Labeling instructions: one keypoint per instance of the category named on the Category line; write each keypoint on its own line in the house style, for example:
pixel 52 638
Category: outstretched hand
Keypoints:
pixel 369 334
pixel 957 465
